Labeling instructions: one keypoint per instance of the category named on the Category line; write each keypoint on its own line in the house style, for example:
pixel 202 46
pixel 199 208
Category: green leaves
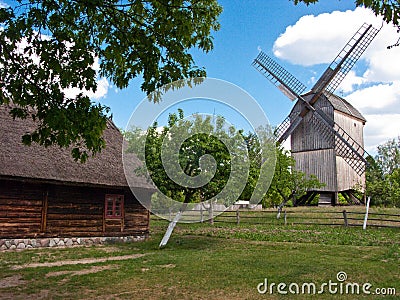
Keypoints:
pixel 383 175
pixel 47 47
pixel 194 139
pixel 288 183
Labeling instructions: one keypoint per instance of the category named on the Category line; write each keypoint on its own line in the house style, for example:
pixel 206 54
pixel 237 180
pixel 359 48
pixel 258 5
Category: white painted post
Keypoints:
pixel 366 214
pixel 171 226
pixel 211 213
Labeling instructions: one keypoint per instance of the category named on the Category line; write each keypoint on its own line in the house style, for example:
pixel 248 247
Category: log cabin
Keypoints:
pixel 315 154
pixel 44 193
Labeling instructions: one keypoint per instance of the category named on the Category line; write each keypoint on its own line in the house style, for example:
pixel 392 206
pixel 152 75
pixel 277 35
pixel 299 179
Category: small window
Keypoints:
pixel 114 206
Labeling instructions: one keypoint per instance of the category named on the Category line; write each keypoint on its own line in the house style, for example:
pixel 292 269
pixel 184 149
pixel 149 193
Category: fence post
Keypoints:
pixel 237 217
pixel 366 214
pixel 346 224
pixel 284 215
pixel 211 213
pixel 201 214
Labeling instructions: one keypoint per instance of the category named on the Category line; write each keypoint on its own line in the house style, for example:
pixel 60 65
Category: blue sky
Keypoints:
pixel 245 27
pixel 283 29
pixel 304 39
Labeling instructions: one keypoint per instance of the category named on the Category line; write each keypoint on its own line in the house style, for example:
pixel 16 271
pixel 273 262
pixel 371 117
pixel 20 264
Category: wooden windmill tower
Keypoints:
pixel 326 131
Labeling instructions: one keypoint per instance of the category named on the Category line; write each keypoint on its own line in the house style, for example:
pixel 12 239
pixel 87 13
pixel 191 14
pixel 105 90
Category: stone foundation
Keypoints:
pixel 13 244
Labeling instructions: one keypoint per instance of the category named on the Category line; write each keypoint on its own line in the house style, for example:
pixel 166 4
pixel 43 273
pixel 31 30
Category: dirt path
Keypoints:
pixel 77 261
pixel 91 270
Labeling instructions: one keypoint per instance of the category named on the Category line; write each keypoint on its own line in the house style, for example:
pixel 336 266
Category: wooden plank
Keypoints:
pixel 74 223
pixel 43 222
pixel 77 210
pixel 20 220
pixel 77 216
pixel 7 201
pixel 77 231
pixel 17 208
pixel 322 164
pixel 18 214
pixel 19 225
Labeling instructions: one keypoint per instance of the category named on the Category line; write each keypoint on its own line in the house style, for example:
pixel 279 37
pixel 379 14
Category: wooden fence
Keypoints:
pixel 290 216
pixel 308 217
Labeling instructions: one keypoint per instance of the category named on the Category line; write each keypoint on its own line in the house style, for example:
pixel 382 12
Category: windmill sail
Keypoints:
pixel 345 60
pixel 345 146
pixel 285 129
pixel 332 77
pixel 279 76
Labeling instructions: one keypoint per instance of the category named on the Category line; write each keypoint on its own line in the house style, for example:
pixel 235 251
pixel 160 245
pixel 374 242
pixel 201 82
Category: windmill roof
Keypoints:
pixel 56 164
pixel 343 106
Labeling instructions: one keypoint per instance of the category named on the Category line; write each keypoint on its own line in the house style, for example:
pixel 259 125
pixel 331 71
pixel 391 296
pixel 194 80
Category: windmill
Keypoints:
pixel 326 131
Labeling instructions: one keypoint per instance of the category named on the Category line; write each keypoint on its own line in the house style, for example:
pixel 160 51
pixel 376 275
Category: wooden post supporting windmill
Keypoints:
pixel 326 131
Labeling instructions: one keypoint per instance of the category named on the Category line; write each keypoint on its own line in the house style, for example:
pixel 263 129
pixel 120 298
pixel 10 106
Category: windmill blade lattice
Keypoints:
pixel 345 146
pixel 279 76
pixel 345 60
pixel 284 129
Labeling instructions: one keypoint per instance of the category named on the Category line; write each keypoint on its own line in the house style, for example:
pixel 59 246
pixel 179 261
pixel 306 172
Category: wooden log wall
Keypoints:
pixel 20 212
pixel 43 210
pixel 75 211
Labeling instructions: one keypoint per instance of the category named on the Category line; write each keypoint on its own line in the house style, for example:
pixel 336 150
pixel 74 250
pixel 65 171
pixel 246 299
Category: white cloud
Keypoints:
pixel 318 39
pixel 351 81
pixel 380 129
pixel 3 4
pixel 101 92
pixel 377 99
pixel 373 86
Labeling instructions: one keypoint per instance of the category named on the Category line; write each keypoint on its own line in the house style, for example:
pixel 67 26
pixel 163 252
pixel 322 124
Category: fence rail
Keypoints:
pixel 296 217
pixel 344 218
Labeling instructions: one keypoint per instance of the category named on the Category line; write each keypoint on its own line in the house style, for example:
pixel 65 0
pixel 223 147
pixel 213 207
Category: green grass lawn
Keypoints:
pixel 201 261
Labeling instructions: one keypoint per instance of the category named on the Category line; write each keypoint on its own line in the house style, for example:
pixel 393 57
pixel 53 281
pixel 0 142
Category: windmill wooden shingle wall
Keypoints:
pixel 315 153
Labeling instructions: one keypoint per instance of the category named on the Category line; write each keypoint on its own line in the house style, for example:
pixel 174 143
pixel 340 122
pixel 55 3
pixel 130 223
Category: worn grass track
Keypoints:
pixel 224 261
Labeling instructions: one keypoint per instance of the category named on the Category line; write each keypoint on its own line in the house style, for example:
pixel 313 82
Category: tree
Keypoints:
pixel 255 158
pixel 388 9
pixel 288 184
pixel 383 175
pixel 388 156
pixel 191 142
pixel 47 47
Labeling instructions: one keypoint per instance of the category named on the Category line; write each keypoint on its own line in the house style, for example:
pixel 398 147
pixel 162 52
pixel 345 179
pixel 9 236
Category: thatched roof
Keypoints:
pixel 56 164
